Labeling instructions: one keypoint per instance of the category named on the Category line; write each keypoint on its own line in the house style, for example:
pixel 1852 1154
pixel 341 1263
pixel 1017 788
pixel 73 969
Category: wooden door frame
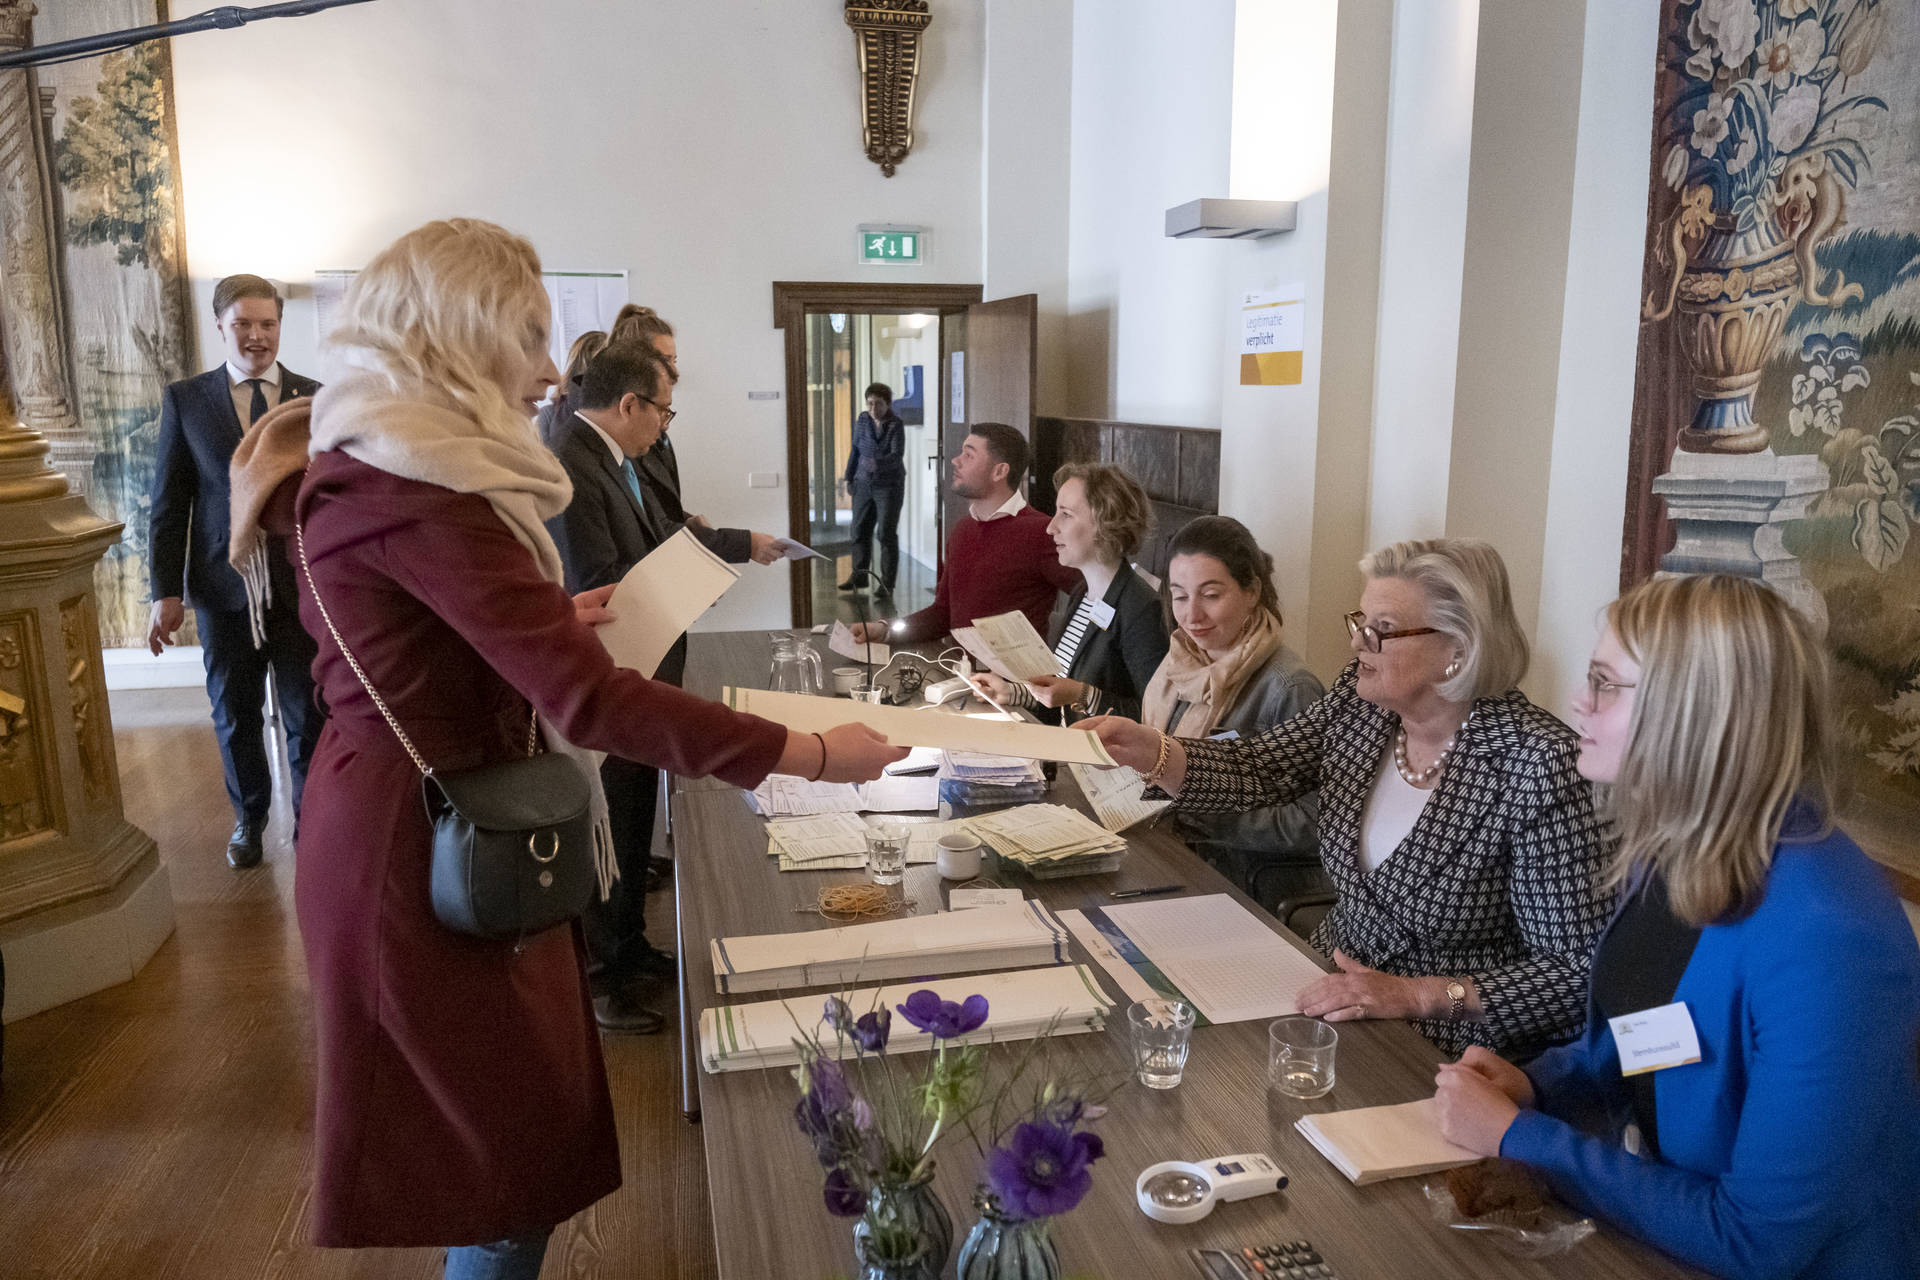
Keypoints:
pixel 793 302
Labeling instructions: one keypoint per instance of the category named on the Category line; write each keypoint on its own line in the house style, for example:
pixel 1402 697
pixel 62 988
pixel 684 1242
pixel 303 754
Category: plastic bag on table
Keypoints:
pixel 1541 1230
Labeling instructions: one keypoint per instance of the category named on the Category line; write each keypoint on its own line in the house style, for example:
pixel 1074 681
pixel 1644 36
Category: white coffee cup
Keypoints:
pixel 845 678
pixel 957 856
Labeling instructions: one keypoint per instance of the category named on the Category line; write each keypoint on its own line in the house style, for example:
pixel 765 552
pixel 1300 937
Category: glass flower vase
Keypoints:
pixel 902 1214
pixel 1000 1247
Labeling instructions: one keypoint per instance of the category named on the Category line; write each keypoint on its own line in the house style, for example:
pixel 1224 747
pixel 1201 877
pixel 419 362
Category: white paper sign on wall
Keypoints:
pixel 1273 337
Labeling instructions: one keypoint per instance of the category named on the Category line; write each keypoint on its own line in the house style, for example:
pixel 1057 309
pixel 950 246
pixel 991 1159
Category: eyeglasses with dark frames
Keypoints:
pixel 666 414
pixel 1600 690
pixel 1371 637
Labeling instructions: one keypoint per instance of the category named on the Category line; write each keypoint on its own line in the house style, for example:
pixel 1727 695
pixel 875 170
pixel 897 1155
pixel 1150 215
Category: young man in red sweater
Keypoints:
pixel 999 557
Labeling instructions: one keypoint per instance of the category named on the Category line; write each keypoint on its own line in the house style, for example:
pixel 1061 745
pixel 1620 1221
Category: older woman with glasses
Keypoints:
pixel 1460 838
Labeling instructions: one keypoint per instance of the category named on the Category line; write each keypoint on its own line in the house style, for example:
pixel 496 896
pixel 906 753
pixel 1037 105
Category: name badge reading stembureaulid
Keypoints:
pixel 1102 614
pixel 1654 1039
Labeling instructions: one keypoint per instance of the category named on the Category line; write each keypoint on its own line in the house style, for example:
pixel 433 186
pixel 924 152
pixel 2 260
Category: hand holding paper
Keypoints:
pixel 841 641
pixel 791 550
pixel 659 598
pixel 1009 646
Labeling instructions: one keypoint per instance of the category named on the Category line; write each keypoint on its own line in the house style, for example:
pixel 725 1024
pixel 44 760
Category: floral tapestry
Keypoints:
pixel 117 220
pixel 1780 347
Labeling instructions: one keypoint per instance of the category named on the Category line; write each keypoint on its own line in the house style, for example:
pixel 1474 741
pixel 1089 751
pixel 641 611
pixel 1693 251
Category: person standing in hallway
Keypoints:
pixel 622 404
pixel 877 476
pixel 242 638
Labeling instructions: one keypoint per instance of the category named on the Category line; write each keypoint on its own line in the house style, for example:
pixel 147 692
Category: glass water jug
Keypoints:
pixel 796 664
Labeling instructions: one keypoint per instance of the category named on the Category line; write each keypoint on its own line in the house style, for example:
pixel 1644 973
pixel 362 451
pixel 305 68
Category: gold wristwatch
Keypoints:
pixel 1456 999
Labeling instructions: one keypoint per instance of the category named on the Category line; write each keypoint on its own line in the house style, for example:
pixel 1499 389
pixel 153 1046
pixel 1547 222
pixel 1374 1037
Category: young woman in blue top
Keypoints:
pixel 1791 1146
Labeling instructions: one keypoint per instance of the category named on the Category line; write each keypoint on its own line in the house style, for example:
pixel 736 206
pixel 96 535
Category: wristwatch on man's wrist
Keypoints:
pixel 1456 1000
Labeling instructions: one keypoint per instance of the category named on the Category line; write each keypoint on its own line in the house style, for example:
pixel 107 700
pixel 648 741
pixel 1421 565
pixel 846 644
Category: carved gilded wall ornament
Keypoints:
pixel 86 686
pixel 28 768
pixel 886 34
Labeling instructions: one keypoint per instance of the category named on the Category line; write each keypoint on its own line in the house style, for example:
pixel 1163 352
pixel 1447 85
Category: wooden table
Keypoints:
pixel 769 1219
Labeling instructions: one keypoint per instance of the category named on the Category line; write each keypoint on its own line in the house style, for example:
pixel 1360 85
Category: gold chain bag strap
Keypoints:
pixel 512 842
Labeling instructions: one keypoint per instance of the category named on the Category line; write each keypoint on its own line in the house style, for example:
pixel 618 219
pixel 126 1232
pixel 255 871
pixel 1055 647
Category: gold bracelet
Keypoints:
pixel 1160 765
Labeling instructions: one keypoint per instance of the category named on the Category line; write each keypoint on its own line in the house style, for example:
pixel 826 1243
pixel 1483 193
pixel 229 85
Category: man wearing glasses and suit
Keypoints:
pixel 623 406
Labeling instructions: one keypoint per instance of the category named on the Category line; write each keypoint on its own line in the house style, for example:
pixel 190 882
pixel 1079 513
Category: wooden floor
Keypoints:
pixel 164 1128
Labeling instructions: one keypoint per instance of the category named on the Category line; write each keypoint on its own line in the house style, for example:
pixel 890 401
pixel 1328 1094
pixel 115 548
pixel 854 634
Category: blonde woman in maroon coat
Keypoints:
pixel 462 1098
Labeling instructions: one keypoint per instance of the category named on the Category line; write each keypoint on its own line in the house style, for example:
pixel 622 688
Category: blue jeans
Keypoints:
pixel 515 1259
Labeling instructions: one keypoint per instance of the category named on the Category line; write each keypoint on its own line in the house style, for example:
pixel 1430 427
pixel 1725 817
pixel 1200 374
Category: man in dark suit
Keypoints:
pixel 622 408
pixel 201 421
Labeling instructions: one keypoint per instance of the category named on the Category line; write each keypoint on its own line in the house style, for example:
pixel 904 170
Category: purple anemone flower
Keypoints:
pixel 825 1104
pixel 1043 1170
pixel 943 1019
pixel 844 1199
pixel 870 1030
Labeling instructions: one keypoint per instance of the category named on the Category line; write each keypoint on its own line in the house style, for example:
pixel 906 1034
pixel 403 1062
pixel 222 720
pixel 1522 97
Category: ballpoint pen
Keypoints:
pixel 1141 893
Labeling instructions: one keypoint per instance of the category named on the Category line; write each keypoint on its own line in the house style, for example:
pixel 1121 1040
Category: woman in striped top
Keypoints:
pixel 1111 634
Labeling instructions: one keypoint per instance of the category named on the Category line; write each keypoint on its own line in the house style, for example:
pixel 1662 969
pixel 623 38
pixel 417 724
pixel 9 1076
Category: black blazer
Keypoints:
pixel 603 532
pixel 659 470
pixel 187 524
pixel 1501 877
pixel 1119 659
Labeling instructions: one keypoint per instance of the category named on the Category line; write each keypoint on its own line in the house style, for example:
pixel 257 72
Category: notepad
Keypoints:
pixel 1020 1006
pixel 1010 937
pixel 1373 1144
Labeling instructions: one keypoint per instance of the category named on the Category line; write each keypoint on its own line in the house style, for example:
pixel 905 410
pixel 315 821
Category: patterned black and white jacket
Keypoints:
pixel 1499 880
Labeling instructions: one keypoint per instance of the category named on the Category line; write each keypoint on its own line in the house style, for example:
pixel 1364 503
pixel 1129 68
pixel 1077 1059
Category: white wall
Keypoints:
pixel 1152 117
pixel 709 149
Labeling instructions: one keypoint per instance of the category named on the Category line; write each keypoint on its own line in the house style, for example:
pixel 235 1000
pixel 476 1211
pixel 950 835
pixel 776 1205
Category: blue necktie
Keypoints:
pixel 633 482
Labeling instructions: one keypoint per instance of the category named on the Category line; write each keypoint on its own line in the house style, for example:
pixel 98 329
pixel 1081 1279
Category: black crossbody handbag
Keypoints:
pixel 512 842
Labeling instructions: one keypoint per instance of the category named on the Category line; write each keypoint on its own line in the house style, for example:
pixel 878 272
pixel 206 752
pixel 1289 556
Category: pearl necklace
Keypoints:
pixel 1432 771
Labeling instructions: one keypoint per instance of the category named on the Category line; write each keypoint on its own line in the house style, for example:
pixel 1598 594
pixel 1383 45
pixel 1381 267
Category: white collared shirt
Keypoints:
pixel 243 394
pixel 1011 507
pixel 619 454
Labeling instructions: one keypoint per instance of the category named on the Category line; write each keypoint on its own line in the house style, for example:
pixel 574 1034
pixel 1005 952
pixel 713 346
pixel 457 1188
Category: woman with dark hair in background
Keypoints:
pixel 557 412
pixel 1227 674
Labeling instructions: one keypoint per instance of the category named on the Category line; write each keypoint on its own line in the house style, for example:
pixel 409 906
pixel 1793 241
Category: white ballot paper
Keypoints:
pixel 660 598
pixel 1209 951
pixel 792 550
pixel 905 727
pixel 1009 647
pixel 1115 796
pixel 841 641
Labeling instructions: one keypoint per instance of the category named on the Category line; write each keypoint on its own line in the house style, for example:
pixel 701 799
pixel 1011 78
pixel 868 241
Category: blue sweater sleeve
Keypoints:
pixel 1813 973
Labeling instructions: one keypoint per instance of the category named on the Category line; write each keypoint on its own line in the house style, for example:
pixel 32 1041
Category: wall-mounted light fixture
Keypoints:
pixel 1231 219
pixel 886 34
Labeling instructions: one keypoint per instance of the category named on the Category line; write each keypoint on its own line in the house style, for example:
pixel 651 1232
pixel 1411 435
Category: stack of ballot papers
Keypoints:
pixel 1373 1144
pixel 969 779
pixel 1050 840
pixel 1020 1005
pixel 1114 795
pixel 1009 937
pixel 838 842
pixel 784 796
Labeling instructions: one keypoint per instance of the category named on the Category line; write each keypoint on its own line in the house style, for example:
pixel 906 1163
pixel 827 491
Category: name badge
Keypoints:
pixel 1102 614
pixel 1655 1039
pixel 1225 735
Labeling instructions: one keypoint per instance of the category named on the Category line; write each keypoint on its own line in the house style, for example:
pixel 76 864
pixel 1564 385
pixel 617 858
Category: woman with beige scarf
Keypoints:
pixel 1227 672
pixel 462 1097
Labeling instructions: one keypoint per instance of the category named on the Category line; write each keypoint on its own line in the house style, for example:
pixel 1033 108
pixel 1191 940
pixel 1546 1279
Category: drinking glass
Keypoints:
pixel 1161 1029
pixel 1300 1056
pixel 886 853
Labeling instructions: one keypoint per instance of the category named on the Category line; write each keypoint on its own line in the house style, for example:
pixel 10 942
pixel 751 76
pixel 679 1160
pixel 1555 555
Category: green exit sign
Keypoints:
pixel 892 248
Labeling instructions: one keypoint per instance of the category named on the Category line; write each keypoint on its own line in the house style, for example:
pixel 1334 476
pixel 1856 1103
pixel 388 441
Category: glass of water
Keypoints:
pixel 1300 1057
pixel 887 852
pixel 1161 1030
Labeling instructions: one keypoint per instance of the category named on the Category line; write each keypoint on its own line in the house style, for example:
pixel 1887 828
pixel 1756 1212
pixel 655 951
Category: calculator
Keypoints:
pixel 1289 1260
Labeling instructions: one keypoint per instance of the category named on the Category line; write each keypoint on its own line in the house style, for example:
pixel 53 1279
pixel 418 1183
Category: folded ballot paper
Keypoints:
pixel 1010 937
pixel 1020 1006
pixel 1051 841
pixel 838 841
pixel 1373 1144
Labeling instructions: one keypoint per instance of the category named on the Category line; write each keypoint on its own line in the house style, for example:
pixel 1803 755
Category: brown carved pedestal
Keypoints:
pixel 84 900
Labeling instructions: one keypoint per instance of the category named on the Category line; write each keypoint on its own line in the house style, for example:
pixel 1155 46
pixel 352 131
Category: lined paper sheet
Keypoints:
pixel 906 727
pixel 660 598
pixel 1229 964
pixel 1115 796
pixel 1009 647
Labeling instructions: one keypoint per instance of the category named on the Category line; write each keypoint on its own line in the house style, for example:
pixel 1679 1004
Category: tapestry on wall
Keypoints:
pixel 117 215
pixel 1777 404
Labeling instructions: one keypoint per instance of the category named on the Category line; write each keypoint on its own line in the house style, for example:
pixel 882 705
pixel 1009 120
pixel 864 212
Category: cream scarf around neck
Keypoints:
pixel 1207 686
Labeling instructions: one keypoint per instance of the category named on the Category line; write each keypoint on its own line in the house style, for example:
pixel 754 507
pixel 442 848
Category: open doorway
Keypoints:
pixel 847 352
